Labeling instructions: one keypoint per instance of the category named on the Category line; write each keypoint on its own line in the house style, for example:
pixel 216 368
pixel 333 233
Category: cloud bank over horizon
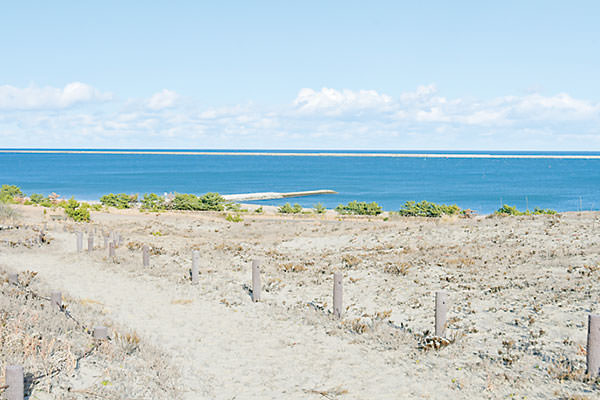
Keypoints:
pixel 79 115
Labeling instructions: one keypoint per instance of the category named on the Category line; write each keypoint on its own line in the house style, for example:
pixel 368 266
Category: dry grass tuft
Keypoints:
pixel 397 269
pixel 350 261
pixel 182 301
pixel 290 267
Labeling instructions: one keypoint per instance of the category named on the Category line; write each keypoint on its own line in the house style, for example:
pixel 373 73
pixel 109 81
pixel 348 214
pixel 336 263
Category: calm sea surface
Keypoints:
pixel 479 184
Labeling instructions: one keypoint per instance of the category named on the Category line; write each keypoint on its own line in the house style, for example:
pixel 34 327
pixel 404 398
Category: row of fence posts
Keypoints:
pixel 14 373
pixel 14 376
pixel 111 242
pixel 441 305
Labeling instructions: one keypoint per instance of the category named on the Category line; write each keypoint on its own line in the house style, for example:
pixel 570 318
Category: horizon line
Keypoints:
pixel 311 153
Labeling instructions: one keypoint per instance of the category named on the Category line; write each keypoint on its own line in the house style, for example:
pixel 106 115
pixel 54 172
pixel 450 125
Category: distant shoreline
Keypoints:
pixel 312 154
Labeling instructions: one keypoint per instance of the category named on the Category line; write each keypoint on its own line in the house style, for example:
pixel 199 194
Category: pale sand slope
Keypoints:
pixel 521 286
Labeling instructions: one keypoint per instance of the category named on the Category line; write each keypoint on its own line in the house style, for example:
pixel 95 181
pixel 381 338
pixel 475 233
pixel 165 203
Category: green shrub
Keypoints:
pixel 9 192
pixel 508 210
pixel 212 202
pixel 539 211
pixel 359 208
pixel 207 202
pixel 427 209
pixel 36 198
pixel 234 218
pixel 259 210
pixel 153 202
pixel 96 207
pixel 78 212
pixel 120 200
pixel 46 203
pixel 319 208
pixel 287 208
pixel 235 207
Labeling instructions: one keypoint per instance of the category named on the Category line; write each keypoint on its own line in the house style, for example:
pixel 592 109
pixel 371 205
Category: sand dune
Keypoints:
pixel 520 289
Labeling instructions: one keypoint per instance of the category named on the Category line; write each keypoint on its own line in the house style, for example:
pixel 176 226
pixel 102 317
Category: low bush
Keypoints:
pixel 78 212
pixel 9 192
pixel 36 198
pixel 287 208
pixel 235 207
pixel 427 209
pixel 539 211
pixel 206 202
pixel 234 218
pixel 319 208
pixel 46 203
pixel 359 208
pixel 259 210
pixel 153 202
pixel 512 210
pixel 120 200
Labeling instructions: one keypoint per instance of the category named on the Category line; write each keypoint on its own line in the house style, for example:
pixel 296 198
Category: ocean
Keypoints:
pixel 480 184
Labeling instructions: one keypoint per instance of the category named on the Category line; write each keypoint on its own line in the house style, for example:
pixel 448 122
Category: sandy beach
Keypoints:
pixel 520 291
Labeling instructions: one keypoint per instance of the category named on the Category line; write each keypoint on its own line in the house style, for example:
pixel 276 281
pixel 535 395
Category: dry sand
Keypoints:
pixel 521 289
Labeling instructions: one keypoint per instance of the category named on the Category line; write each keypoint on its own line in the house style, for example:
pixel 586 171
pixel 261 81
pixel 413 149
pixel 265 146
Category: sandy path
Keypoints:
pixel 224 353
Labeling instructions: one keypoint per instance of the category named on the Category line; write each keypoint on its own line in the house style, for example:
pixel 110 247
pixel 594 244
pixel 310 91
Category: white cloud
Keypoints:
pixel 32 97
pixel 163 99
pixel 334 102
pixel 324 118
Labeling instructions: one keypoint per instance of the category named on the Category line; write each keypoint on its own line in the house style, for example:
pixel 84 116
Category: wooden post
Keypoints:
pixel 56 299
pixel 106 241
pixel 90 243
pixel 146 255
pixel 100 332
pixel 441 311
pixel 338 295
pixel 15 382
pixel 111 249
pixel 79 241
pixel 255 280
pixel 13 279
pixel 593 345
pixel 195 260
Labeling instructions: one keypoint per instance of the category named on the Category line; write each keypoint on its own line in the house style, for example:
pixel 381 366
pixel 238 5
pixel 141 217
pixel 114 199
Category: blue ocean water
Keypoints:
pixel 479 184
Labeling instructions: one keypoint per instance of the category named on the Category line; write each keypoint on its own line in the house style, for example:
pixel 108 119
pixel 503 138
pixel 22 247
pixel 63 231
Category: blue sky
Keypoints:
pixel 378 75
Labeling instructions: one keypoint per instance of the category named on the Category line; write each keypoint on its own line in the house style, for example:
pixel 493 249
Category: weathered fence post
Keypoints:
pixel 79 241
pixel 90 243
pixel 256 287
pixel 195 260
pixel 100 332
pixel 338 296
pixel 56 299
pixel 593 345
pixel 441 311
pixel 15 382
pixel 111 249
pixel 106 241
pixel 146 255
pixel 13 279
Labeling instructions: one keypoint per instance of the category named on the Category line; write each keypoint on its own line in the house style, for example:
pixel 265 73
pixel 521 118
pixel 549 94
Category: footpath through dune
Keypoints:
pixel 224 353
